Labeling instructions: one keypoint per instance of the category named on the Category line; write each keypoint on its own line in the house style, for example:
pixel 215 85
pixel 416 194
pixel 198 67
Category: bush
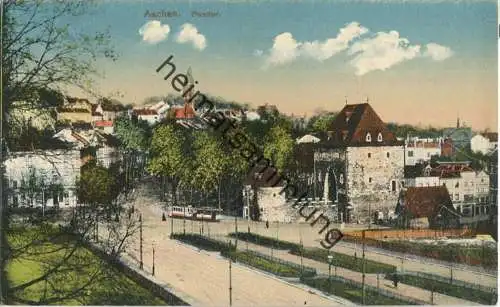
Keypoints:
pixel 475 295
pixel 344 261
pixel 264 241
pixel 352 292
pixel 475 255
pixel 203 242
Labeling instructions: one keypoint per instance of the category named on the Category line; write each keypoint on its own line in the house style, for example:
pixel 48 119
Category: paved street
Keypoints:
pixel 204 276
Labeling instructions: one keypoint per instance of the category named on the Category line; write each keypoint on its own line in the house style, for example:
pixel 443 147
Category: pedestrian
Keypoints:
pixel 267 224
pixel 395 280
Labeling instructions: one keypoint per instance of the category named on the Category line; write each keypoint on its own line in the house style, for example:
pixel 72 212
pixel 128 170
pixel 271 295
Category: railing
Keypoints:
pixel 371 288
pixel 455 282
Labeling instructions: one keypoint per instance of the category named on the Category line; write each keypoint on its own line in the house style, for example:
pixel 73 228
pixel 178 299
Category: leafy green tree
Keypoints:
pixel 279 147
pixel 168 156
pixel 210 162
pixel 96 186
pixel 320 122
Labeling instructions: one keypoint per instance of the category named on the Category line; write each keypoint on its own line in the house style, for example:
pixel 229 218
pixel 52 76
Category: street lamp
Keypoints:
pixel 153 271
pixel 330 260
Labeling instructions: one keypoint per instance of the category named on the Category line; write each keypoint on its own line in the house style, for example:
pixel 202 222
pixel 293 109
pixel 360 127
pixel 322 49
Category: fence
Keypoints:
pixel 412 233
pixel 455 282
pixel 370 288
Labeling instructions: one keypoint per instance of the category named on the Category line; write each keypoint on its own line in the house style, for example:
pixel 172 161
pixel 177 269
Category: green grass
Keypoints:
pixel 344 261
pixel 264 241
pixel 352 292
pixel 319 254
pixel 110 287
pixel 470 294
pixel 261 262
pixel 472 255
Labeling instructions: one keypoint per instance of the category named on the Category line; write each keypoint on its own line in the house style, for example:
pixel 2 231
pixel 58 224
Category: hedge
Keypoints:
pixel 477 255
pixel 264 241
pixel 471 294
pixel 343 260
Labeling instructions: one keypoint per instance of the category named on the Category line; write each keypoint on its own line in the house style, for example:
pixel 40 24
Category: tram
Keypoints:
pixel 191 213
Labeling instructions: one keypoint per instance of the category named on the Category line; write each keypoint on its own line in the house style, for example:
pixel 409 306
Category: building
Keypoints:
pixel 461 136
pixel 308 138
pixel 360 163
pixel 484 143
pixel 148 115
pixel 105 125
pixel 418 151
pixel 74 110
pixel 426 207
pixel 47 179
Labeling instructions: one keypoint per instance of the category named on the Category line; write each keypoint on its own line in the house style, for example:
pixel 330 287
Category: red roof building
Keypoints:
pixel 359 125
pixel 104 123
pixel 184 112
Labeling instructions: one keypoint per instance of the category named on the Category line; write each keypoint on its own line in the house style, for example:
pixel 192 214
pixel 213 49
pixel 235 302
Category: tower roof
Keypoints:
pixel 359 125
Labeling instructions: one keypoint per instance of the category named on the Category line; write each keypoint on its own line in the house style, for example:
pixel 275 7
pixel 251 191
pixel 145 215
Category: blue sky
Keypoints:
pixel 237 61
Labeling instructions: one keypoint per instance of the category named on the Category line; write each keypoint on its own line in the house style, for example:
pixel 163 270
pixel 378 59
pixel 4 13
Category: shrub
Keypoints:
pixel 264 241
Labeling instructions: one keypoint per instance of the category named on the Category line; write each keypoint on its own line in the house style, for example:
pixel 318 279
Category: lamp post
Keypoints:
pixel 153 271
pixel 140 241
pixel 330 260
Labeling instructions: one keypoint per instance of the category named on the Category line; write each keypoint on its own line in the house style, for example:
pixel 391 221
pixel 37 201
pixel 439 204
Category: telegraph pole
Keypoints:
pixel 140 240
pixel 363 267
pixel 171 225
pixel 230 278
pixel 236 229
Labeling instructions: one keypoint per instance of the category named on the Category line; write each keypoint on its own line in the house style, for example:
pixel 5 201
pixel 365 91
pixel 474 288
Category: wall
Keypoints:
pixel 75 116
pixel 370 173
pixel 273 205
pixel 480 144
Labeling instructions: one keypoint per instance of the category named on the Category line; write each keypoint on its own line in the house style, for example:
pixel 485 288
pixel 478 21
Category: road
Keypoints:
pixel 204 276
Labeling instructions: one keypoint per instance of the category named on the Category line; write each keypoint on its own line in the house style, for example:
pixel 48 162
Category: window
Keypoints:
pixel 403 184
pixel 388 155
pixel 14 200
pixel 410 153
pixel 14 184
pixel 370 180
pixel 368 137
pixel 444 184
pixel 393 185
pixel 457 184
pixel 457 196
pixel 379 137
pixel 477 210
pixel 369 155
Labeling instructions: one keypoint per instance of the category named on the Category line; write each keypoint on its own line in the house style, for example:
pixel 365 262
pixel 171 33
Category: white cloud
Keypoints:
pixel 154 32
pixel 284 50
pixel 189 33
pixel 258 52
pixel 438 52
pixel 381 52
pixel 332 46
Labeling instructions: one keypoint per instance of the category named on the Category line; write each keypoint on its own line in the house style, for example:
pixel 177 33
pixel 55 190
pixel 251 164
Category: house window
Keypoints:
pixel 369 155
pixel 457 197
pixel 368 137
pixel 379 137
pixel 393 185
pixel 388 155
pixel 477 210
pixel 410 153
pixel 370 180
pixel 14 184
pixel 14 200
pixel 457 184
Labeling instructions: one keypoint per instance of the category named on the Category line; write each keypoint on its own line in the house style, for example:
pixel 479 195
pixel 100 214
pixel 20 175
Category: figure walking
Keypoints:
pixel 267 224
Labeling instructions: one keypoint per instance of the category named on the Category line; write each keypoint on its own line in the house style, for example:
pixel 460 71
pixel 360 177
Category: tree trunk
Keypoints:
pixel 219 194
pixel 174 192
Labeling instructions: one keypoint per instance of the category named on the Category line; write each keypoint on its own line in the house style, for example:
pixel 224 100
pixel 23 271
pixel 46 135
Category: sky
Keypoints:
pixel 417 62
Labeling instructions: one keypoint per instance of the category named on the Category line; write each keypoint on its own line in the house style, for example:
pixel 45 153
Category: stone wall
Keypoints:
pixel 273 205
pixel 374 178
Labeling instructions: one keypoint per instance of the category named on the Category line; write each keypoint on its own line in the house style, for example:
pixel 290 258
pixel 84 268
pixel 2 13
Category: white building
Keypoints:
pixel 484 143
pixel 421 150
pixel 308 138
pixel 55 167
pixel 148 115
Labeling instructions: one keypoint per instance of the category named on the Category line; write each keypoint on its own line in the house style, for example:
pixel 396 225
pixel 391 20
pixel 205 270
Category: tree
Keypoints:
pixel 321 122
pixel 279 147
pixel 167 156
pixel 96 186
pixel 210 161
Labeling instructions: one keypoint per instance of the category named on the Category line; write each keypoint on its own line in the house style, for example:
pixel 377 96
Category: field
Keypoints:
pixel 82 279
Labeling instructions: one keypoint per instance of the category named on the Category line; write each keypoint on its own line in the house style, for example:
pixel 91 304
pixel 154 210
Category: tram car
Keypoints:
pixel 191 213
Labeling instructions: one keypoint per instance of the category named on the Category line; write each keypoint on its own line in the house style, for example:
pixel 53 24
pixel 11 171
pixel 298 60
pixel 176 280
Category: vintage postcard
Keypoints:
pixel 249 153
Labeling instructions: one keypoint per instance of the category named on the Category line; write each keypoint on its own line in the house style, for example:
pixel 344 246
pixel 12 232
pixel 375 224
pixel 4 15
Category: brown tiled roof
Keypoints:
pixel 104 123
pixel 72 110
pixel 452 170
pixel 492 136
pixel 185 111
pixel 426 201
pixel 354 122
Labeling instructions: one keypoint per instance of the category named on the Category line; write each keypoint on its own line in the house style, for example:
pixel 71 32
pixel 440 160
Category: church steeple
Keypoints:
pixel 458 122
